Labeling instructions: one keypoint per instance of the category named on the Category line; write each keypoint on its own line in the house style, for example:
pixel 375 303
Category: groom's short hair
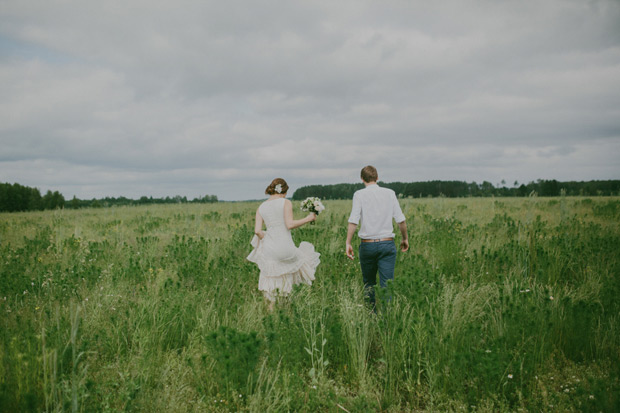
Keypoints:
pixel 369 174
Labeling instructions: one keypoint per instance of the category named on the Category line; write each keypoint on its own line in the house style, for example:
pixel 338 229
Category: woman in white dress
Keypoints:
pixel 282 265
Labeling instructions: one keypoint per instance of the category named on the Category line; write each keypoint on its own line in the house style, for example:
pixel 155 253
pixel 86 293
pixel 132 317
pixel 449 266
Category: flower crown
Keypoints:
pixel 279 188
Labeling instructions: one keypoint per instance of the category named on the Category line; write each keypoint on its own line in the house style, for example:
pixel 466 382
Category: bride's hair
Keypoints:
pixel 271 189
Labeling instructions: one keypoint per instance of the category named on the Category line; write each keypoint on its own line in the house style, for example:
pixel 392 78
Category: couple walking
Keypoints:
pixel 283 265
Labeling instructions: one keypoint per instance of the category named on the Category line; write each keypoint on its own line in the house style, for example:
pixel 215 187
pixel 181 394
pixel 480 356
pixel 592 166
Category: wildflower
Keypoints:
pixel 487 351
pixel 591 397
pixel 551 297
pixel 510 376
pixel 25 292
pixel 37 308
pixel 567 390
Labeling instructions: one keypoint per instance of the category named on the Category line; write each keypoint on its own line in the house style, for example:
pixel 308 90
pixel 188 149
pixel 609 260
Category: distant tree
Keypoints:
pixel 487 188
pixel 53 200
pixel 549 188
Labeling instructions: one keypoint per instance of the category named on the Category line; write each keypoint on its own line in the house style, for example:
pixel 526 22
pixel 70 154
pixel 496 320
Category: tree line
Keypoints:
pixel 16 197
pixel 454 189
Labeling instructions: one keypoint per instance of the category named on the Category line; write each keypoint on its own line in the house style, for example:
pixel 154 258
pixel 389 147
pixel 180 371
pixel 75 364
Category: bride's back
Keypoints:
pixel 273 213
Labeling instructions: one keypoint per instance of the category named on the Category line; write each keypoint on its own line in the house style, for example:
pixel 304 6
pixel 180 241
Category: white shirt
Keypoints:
pixel 376 207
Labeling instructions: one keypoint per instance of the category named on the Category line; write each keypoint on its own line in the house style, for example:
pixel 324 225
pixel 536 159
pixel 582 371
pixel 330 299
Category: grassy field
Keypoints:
pixel 500 305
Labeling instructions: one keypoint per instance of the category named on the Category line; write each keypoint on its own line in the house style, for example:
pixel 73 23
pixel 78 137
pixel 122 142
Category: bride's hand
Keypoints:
pixel 311 217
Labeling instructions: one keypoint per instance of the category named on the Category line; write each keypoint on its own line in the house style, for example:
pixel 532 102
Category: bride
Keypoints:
pixel 282 265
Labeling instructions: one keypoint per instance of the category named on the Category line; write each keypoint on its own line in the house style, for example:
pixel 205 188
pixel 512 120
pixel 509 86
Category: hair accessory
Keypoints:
pixel 279 188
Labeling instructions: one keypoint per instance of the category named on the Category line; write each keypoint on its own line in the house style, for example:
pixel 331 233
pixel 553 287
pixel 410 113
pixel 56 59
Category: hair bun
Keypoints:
pixel 277 186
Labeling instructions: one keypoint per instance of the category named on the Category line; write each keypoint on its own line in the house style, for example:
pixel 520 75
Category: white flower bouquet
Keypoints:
pixel 312 204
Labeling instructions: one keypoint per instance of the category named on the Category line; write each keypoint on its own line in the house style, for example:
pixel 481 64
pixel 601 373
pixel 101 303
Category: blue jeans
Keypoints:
pixel 377 256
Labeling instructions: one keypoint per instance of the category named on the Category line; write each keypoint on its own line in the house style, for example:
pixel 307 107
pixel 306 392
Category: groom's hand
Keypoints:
pixel 404 245
pixel 349 250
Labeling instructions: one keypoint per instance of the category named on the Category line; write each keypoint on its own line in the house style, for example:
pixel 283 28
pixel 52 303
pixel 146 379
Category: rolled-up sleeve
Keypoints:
pixel 397 213
pixel 356 210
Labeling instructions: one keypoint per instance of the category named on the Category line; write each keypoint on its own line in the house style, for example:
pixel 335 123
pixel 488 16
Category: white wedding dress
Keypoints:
pixel 282 265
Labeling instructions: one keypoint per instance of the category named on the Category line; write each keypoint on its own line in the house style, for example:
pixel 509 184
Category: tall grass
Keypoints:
pixel 500 305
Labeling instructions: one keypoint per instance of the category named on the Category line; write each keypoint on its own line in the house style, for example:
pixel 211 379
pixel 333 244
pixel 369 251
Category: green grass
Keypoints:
pixel 500 305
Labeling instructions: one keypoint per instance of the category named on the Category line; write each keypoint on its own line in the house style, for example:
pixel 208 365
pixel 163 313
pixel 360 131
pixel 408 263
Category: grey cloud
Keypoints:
pixel 151 95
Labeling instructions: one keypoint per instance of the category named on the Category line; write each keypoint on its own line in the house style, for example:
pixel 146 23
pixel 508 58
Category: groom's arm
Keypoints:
pixel 404 243
pixel 350 231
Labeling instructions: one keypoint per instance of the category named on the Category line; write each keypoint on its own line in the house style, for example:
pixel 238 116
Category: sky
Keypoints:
pixel 188 97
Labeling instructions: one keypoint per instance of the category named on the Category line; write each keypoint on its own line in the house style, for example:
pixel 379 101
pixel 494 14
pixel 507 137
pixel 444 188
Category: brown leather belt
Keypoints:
pixel 378 240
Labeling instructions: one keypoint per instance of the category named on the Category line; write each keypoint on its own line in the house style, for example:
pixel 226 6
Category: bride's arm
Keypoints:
pixel 288 217
pixel 258 226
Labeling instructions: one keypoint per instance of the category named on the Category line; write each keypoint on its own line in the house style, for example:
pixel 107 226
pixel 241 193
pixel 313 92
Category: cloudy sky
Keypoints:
pixel 164 98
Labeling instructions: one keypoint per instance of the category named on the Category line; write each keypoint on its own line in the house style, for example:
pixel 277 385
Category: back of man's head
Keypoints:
pixel 369 174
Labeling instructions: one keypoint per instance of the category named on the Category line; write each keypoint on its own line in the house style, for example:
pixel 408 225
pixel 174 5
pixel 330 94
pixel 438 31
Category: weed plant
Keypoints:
pixel 500 305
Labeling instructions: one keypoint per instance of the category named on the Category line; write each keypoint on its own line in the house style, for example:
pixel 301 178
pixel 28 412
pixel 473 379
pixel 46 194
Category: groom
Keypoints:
pixel 376 207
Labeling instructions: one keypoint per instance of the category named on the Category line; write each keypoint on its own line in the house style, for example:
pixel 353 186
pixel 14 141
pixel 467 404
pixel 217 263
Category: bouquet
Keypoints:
pixel 312 204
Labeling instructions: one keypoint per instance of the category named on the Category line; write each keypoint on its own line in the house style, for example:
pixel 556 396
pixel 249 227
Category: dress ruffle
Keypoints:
pixel 277 277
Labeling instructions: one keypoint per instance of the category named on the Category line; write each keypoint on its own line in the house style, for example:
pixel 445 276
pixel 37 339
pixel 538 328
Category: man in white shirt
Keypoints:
pixel 376 207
